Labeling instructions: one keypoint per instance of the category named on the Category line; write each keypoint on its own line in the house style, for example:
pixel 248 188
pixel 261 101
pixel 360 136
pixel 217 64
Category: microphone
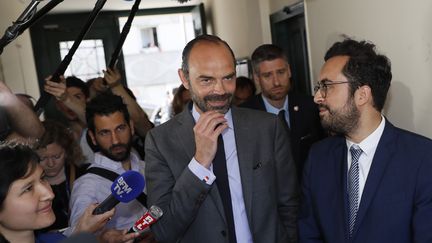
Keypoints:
pixel 14 30
pixel 124 189
pixel 150 217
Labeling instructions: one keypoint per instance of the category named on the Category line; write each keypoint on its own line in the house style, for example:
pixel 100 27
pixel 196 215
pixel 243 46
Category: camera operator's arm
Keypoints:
pixel 59 91
pixel 22 119
pixel 139 117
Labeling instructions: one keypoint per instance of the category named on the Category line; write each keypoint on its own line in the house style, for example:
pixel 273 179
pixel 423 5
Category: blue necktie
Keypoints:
pixel 353 186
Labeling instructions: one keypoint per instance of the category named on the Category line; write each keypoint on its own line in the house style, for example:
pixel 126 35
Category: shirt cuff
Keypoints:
pixel 69 231
pixel 201 172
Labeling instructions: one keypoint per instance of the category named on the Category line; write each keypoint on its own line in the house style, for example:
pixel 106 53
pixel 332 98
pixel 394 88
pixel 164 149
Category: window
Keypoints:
pixel 88 60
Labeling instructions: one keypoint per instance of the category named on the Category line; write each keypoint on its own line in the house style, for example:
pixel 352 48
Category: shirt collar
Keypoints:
pixel 272 109
pixel 106 162
pixel 228 116
pixel 369 144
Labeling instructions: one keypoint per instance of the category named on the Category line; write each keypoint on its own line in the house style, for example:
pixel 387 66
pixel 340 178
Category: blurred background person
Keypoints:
pixel 60 156
pixel 180 99
pixel 245 88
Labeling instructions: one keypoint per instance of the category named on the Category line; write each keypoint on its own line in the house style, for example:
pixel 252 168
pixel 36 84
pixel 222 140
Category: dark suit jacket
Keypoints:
pixel 305 126
pixel 396 204
pixel 193 210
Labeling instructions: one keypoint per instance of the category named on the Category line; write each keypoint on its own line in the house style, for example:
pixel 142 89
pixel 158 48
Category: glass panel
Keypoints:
pixel 152 54
pixel 88 60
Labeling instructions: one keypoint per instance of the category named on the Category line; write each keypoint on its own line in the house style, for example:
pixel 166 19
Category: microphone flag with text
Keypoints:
pixel 124 189
pixel 142 225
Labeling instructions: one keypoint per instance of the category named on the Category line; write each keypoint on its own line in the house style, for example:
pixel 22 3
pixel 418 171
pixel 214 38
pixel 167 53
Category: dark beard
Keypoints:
pixel 117 157
pixel 203 105
pixel 341 122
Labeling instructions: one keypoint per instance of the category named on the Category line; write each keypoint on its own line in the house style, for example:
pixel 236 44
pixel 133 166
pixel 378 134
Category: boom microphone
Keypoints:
pixel 150 217
pixel 124 189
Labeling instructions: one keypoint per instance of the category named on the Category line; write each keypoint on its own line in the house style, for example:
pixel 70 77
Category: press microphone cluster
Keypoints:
pixel 150 217
pixel 124 189
pixel 15 29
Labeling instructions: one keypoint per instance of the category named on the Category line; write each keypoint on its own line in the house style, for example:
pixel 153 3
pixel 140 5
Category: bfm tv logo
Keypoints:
pixel 122 187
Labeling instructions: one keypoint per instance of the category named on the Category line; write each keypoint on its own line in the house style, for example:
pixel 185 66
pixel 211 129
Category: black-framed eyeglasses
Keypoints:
pixel 322 86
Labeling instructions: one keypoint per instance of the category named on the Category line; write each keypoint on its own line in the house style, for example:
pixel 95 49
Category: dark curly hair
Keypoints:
pixel 105 104
pixel 364 67
pixel 73 81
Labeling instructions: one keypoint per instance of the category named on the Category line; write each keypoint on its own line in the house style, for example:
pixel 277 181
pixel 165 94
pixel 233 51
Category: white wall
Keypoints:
pixel 239 23
pixel 401 30
pixel 19 70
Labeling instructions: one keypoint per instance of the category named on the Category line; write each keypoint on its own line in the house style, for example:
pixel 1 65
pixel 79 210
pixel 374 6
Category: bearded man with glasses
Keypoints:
pixel 372 181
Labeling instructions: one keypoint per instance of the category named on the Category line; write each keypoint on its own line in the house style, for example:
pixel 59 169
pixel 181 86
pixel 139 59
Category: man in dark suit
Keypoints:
pixel 272 72
pixel 372 181
pixel 255 199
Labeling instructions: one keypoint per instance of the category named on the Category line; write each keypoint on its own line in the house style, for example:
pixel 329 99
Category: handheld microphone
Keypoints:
pixel 124 189
pixel 150 217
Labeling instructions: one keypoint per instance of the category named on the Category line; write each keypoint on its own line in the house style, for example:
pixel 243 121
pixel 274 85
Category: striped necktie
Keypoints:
pixel 353 186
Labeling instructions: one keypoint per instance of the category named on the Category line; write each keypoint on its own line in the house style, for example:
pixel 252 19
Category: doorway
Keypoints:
pixel 288 30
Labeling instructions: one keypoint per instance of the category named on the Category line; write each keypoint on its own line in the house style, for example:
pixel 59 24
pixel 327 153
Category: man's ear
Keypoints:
pixel 92 136
pixel 363 95
pixel 183 78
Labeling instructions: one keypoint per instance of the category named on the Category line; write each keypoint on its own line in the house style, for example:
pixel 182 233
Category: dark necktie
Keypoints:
pixel 281 116
pixel 353 185
pixel 220 171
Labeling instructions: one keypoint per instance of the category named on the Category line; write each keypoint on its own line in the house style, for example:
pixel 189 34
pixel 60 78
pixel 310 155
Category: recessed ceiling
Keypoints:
pixel 88 5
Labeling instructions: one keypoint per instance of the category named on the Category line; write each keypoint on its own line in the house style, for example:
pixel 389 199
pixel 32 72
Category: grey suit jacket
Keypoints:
pixel 193 210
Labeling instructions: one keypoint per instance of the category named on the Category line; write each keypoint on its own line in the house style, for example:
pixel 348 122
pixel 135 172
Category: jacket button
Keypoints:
pixel 223 232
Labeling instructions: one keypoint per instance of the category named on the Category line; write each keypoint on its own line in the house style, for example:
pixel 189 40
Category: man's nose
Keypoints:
pixel 114 138
pixel 219 87
pixel 318 99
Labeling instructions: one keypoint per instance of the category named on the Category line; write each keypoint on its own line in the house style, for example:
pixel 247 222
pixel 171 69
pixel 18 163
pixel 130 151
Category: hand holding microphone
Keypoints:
pixel 124 189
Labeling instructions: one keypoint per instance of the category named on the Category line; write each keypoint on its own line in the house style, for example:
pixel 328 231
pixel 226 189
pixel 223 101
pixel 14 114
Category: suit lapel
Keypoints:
pixel 383 156
pixel 185 130
pixel 260 102
pixel 292 102
pixel 245 159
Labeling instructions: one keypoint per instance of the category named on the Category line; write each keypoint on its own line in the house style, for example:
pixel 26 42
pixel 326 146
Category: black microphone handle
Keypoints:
pixel 108 204
pixel 141 232
pixel 13 31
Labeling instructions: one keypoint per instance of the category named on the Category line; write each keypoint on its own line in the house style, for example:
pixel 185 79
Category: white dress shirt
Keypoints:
pixel 368 147
pixel 241 224
pixel 274 110
pixel 91 188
